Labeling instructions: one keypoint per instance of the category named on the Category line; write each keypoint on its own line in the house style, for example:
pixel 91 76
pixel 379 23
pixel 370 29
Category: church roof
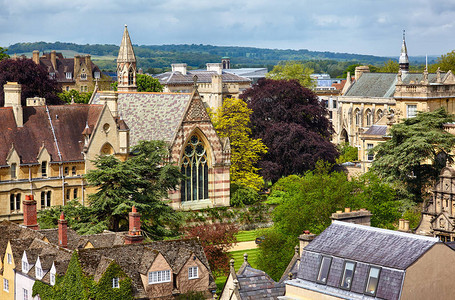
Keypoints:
pixel 151 116
pixel 126 52
pixel 68 123
pixel 379 130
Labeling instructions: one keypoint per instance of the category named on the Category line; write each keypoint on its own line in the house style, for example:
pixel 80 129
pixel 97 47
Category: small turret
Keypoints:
pixel 404 60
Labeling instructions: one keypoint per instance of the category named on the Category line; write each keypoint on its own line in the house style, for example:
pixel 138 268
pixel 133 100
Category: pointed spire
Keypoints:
pixel 404 60
pixel 126 52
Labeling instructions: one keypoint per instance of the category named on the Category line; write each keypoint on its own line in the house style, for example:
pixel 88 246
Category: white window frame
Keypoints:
pixel 25 266
pixel 373 292
pixel 52 279
pixel 411 110
pixel 68 75
pixel 193 272
pixel 159 276
pixel 115 283
pixel 25 292
pixel 39 273
pixel 5 285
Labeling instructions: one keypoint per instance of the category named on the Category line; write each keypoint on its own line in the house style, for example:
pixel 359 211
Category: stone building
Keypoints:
pixel 214 84
pixel 46 150
pixel 375 101
pixel 78 73
pixel 181 120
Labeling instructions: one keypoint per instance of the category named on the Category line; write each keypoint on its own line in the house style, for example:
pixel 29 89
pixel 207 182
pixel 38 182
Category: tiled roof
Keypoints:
pixel 151 116
pixel 373 85
pixel 68 121
pixel 379 130
pixel 202 77
pixel 256 284
pixel 136 259
pixel 372 245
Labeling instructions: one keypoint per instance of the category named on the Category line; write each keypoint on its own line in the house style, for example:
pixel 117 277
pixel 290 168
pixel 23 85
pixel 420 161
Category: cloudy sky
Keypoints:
pixel 353 26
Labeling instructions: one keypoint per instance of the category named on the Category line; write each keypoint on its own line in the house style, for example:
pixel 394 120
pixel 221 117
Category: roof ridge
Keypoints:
pixel 387 231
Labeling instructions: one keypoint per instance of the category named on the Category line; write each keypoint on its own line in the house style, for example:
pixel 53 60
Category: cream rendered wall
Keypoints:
pixel 431 276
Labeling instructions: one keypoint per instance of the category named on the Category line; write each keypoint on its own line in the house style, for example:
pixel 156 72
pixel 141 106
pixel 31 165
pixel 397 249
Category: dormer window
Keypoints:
pixel 44 169
pixel 193 273
pixel 68 75
pixel 83 76
pixel 324 270
pixel 9 258
pixel 348 274
pixel 39 273
pixel 159 276
pixel 25 266
pixel 372 282
pixel 97 75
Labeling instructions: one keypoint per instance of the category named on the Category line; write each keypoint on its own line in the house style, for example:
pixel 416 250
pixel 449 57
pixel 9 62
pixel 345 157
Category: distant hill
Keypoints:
pixel 196 56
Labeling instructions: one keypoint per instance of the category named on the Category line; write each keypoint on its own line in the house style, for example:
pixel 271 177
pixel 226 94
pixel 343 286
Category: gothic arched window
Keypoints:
pixel 130 77
pixel 195 167
pixel 369 117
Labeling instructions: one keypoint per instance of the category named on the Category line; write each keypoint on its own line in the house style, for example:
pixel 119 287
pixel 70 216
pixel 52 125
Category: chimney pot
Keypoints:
pixel 347 209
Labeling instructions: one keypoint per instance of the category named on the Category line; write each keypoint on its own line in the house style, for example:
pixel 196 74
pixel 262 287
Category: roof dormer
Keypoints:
pixel 25 265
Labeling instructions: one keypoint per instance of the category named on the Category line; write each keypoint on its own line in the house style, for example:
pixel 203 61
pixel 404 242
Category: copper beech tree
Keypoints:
pixel 293 124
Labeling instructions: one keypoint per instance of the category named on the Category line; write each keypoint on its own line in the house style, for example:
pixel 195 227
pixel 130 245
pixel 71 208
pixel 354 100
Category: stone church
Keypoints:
pixel 182 121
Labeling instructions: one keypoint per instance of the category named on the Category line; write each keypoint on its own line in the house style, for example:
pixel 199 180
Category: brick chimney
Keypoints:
pixel 62 231
pixel 13 99
pixel 134 235
pixel 30 219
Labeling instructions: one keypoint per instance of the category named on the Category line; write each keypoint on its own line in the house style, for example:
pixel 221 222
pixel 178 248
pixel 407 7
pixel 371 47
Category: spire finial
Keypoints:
pixel 126 25
pixel 404 34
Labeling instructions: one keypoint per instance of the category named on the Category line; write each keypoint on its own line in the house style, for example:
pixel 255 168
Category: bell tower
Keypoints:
pixel 126 65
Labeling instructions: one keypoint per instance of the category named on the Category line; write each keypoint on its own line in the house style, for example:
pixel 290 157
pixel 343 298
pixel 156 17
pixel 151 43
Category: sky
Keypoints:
pixel 358 26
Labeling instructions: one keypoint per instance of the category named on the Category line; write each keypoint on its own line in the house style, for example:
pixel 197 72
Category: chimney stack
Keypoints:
pixel 36 57
pixel 305 239
pixel 134 235
pixel 54 60
pixel 216 67
pixel 179 68
pixel 30 219
pixel 362 216
pixel 62 231
pixel 360 70
pixel 13 99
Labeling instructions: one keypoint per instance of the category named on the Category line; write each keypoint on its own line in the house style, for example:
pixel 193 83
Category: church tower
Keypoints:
pixel 126 65
pixel 404 60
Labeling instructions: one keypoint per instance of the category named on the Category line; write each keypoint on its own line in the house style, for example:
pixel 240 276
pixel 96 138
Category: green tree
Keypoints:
pixel 146 83
pixel 142 181
pixel 350 69
pixel 232 120
pixel 347 153
pixel 3 53
pixel 389 67
pixel 293 70
pixel 446 62
pixel 307 202
pixel 416 152
pixel 73 95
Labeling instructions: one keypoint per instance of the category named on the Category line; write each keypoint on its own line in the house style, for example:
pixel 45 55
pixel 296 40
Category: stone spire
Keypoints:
pixel 404 60
pixel 126 64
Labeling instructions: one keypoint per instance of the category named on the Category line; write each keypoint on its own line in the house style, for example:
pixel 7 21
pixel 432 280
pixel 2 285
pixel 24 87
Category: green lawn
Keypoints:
pixel 238 261
pixel 246 236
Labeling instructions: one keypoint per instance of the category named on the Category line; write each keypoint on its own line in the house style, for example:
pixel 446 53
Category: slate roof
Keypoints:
pixel 393 251
pixel 372 245
pixel 379 130
pixel 151 116
pixel 203 76
pixel 68 121
pixel 373 85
